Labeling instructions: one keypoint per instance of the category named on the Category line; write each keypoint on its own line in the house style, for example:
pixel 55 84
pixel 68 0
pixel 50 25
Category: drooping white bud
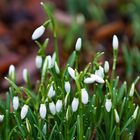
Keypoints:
pixel 72 73
pixel 12 72
pixel 53 59
pixel 52 108
pixel 24 111
pixel 67 87
pixel 58 105
pixel 108 105
pixel 51 92
pixel 49 61
pixel 15 102
pixel 115 42
pixel 25 75
pixel 84 96
pixel 117 118
pixel 131 93
pixel 75 104
pixel 135 112
pixel 43 111
pixel 38 32
pixel 106 66
pixel 1 118
pixel 44 128
pixel 78 44
pixel 57 68
pixel 38 61
pixel 98 78
pixel 100 72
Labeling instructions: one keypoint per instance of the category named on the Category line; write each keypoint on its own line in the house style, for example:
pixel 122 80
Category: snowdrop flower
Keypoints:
pixel 116 116
pixel 52 108
pixel 78 44
pixel 89 80
pixel 115 42
pixel 24 111
pixel 51 92
pixel 15 102
pixel 57 68
pixel 100 72
pixel 25 75
pixel 75 104
pixel 108 105
pixel 58 105
pixel 72 73
pixel 38 32
pixel 49 61
pixel 1 118
pixel 106 67
pixel 38 61
pixel 135 112
pixel 43 111
pixel 84 96
pixel 53 59
pixel 44 128
pixel 67 87
pixel 98 78
pixel 131 93
pixel 12 72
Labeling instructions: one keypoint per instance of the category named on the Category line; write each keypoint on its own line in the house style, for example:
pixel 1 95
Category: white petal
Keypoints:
pixel 131 93
pixel 58 105
pixel 98 78
pixel 71 72
pixel 89 80
pixel 52 108
pixel 38 32
pixel 1 118
pixel 44 128
pixel 12 72
pixel 116 116
pixel 57 68
pixel 135 112
pixel 100 72
pixel 78 44
pixel 106 66
pixel 43 111
pixel 25 75
pixel 15 102
pixel 108 105
pixel 38 61
pixel 24 111
pixel 51 92
pixel 75 104
pixel 84 96
pixel 67 87
pixel 115 42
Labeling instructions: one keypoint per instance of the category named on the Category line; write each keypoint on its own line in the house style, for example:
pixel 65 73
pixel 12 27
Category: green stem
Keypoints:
pixel 115 54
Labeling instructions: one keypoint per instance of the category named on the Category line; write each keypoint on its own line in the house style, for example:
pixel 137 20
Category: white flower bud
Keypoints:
pixel 57 68
pixel 38 61
pixel 12 72
pixel 51 92
pixel 106 66
pixel 80 19
pixel 43 111
pixel 75 104
pixel 100 72
pixel 1 118
pixel 15 102
pixel 84 96
pixel 66 99
pixel 44 129
pixel 53 59
pixel 25 75
pixel 131 93
pixel 72 73
pixel 67 87
pixel 24 111
pixel 115 42
pixel 58 105
pixel 49 61
pixel 38 32
pixel 135 112
pixel 117 118
pixel 108 105
pixel 78 44
pixel 52 108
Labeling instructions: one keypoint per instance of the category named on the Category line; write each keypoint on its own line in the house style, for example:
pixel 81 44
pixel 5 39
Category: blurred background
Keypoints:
pixel 95 21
